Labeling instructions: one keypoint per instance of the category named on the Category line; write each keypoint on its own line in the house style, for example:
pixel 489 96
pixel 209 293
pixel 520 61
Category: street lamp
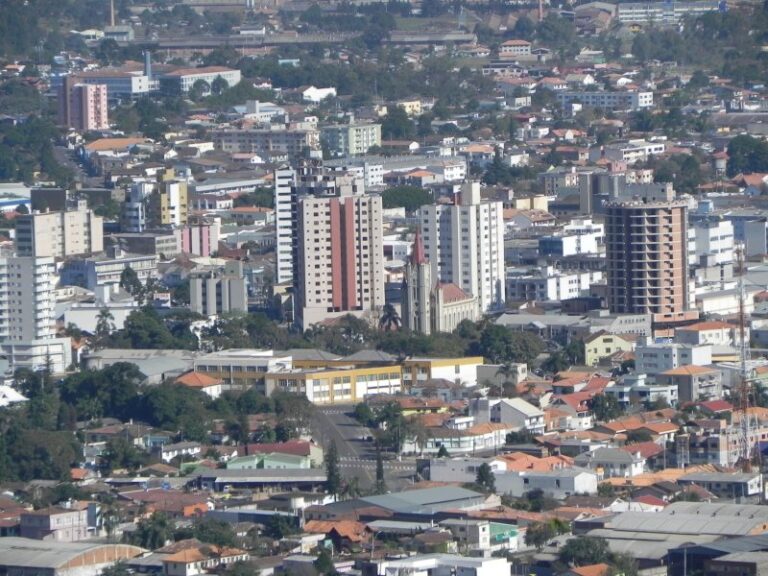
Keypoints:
pixel 373 541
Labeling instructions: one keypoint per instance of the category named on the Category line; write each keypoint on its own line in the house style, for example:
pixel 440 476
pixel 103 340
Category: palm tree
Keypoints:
pixel 104 326
pixel 390 319
pixel 507 371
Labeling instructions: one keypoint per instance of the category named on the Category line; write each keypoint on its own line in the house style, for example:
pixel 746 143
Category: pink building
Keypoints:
pixel 199 239
pixel 83 106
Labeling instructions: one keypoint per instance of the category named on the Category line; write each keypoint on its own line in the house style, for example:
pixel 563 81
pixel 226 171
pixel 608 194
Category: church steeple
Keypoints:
pixel 417 254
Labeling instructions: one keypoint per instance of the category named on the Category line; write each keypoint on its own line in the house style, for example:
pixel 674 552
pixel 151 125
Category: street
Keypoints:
pixel 357 456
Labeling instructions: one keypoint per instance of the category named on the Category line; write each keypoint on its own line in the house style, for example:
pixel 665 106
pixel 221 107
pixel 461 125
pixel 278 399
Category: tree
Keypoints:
pixel 635 436
pixel 120 453
pixel 396 125
pixel 539 533
pixel 363 414
pixel 501 345
pixel 324 562
pixel 605 407
pixel 333 476
pixel 557 362
pixel 105 325
pixel 216 532
pixel 129 281
pixel 381 486
pixel 443 452
pixel 278 527
pixel 746 155
pixel 153 532
pixel 605 489
pixel 485 478
pixel 409 197
pixel 22 209
pixel 219 85
pixel 390 319
pixel 584 551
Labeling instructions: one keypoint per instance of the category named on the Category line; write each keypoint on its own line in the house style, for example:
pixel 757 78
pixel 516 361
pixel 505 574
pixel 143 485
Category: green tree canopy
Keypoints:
pixel 409 197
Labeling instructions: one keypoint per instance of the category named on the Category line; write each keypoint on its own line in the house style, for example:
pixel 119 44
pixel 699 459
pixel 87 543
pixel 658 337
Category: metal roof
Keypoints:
pixel 427 499
pixel 38 554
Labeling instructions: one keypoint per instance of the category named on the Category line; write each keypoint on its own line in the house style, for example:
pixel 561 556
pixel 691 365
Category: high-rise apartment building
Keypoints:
pixel 169 204
pixel 213 292
pixel 464 243
pixel 27 316
pixel 309 178
pixel 647 257
pixel 340 257
pixel 353 139
pixel 83 106
pixel 72 232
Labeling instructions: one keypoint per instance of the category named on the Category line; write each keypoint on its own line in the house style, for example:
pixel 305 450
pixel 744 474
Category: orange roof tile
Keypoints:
pixel 591 570
pixel 197 380
pixel 689 370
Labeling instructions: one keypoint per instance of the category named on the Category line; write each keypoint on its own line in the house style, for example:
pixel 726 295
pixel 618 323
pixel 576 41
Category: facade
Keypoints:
pixel 71 232
pixel 200 239
pixel 429 307
pixel 581 236
pixel 694 383
pixel 181 81
pixel 266 142
pixel 711 243
pixel 354 139
pixel 614 462
pixel 105 269
pixel 655 358
pixel 169 203
pixel 548 283
pixel 242 369
pixel 516 411
pixel 458 370
pixel 515 47
pixel 661 14
pixel 58 524
pixel 444 565
pixel 83 106
pixel 120 85
pixel 214 292
pixel 647 258
pixel 464 243
pixel 337 386
pixel 291 184
pixel 340 257
pixel 602 344
pixel 628 100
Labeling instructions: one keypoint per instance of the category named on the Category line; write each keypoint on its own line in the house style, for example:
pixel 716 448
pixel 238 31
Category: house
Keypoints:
pixel 715 333
pixel 343 533
pixel 489 436
pixel 603 344
pixel 737 486
pixel 525 219
pixel 577 406
pixel 693 382
pixel 613 462
pixel 199 381
pixel 590 570
pixel 55 523
pixel 168 452
pixel 514 48
pixel 515 411
pixel 202 560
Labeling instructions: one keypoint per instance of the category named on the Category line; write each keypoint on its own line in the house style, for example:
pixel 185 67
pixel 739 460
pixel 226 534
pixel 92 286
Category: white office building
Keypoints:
pixel 464 243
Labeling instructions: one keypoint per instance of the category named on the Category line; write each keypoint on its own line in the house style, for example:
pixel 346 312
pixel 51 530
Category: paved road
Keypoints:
pixel 357 457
